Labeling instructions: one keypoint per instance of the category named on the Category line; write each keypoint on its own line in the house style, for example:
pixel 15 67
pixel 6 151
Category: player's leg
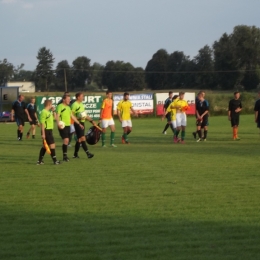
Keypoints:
pixel 204 125
pixel 65 133
pixel 183 126
pixel 82 140
pixel 41 155
pixel 174 126
pixel 33 129
pixel 178 126
pixel 104 126
pixel 112 134
pixel 168 116
pixel 20 129
pixel 29 131
pixel 195 132
pixel 50 141
pixel 199 131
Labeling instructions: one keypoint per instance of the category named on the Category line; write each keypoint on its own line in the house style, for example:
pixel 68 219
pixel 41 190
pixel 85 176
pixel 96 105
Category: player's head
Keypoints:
pixel 79 96
pixel 181 95
pixel 201 93
pixel 66 99
pixel 126 96
pixel 236 94
pixel 201 96
pixel 170 94
pixel 48 104
pixel 66 93
pixel 174 97
pixel 21 98
pixel 109 94
pixel 33 100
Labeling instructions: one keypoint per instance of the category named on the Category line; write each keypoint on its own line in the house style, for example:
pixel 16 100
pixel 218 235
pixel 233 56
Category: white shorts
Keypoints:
pixel 107 122
pixel 174 124
pixel 72 128
pixel 126 123
pixel 181 119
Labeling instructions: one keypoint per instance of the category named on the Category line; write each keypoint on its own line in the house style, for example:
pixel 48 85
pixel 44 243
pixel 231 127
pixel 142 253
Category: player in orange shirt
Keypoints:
pixel 107 120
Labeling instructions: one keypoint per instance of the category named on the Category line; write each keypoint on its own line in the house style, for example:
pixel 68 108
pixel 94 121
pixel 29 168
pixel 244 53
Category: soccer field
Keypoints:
pixel 152 199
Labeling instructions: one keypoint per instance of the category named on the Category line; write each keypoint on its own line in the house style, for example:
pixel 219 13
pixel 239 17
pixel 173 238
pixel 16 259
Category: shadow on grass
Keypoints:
pixel 85 236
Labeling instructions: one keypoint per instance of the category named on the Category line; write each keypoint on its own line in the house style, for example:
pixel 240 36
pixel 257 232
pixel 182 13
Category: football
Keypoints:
pixel 82 115
pixel 61 124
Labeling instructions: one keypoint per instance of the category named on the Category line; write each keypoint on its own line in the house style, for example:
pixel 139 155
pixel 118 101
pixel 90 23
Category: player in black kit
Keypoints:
pixel 202 113
pixel 234 108
pixel 257 111
pixel 18 114
pixel 31 112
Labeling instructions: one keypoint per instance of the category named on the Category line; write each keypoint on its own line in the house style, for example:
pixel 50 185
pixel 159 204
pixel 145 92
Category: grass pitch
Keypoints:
pixel 151 199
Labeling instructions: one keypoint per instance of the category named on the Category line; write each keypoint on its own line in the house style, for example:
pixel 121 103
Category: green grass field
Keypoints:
pixel 151 199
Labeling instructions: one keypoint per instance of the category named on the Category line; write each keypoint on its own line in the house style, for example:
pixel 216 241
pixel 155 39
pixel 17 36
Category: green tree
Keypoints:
pixel 96 74
pixel 237 56
pixel 63 77
pixel 205 68
pixel 225 63
pixel 6 72
pixel 155 71
pixel 44 72
pixel 177 65
pixel 81 72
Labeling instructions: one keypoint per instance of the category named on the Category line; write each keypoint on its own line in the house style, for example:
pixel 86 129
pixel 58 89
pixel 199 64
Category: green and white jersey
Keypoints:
pixel 46 118
pixel 77 108
pixel 64 113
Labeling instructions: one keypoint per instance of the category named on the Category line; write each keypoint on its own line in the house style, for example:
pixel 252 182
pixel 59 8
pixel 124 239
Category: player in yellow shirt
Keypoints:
pixel 181 120
pixel 107 120
pixel 172 112
pixel 123 111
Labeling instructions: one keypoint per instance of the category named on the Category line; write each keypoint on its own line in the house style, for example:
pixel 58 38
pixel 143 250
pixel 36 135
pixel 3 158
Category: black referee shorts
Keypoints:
pixel 65 132
pixel 79 132
pixel 49 136
pixel 19 120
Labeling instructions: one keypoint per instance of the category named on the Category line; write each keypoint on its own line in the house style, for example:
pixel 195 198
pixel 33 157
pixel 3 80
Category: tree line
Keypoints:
pixel 232 62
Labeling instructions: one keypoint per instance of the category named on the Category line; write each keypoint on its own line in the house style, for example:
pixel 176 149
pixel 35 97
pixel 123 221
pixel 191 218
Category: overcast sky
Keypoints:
pixel 130 31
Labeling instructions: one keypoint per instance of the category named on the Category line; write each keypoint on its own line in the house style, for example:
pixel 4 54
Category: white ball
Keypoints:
pixel 61 124
pixel 82 115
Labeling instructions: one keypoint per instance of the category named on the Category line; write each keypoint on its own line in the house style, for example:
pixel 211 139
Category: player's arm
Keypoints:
pixel 91 120
pixel 28 115
pixel 134 112
pixel 239 108
pixel 170 107
pixel 12 113
pixel 118 109
pixel 256 116
pixel 42 125
pixel 76 120
pixel 229 111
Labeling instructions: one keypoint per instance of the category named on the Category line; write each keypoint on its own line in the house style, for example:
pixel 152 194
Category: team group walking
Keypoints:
pixel 70 117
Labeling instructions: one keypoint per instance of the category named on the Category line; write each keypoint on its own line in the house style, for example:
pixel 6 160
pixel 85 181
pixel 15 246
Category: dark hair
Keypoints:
pixel 78 94
pixel 126 94
pixel 108 91
pixel 236 92
pixel 66 93
pixel 64 96
pixel 170 92
pixel 174 97
pixel 181 93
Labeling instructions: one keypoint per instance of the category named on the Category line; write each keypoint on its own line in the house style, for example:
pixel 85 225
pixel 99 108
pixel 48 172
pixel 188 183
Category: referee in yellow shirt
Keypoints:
pixel 123 111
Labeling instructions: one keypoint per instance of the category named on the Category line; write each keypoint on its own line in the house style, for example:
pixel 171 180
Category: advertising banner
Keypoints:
pixel 142 103
pixel 92 104
pixel 161 97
